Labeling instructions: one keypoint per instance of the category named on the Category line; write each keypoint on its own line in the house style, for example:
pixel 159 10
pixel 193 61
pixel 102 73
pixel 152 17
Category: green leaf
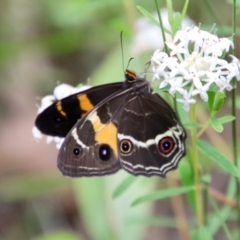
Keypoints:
pixel 206 178
pixel 176 23
pixel 226 119
pixel 225 228
pixel 163 221
pixel 123 186
pixel 156 89
pixel 60 235
pixel 216 156
pixel 201 233
pixel 216 124
pixel 170 10
pixel 190 125
pixel 87 190
pixel 215 101
pixel 148 15
pixel 211 96
pixel 185 8
pixel 187 179
pixel 162 194
pixel 218 101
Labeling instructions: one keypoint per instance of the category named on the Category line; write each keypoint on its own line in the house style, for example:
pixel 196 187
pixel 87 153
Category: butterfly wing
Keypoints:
pixel 91 147
pixel 134 130
pixel 151 139
pixel 60 117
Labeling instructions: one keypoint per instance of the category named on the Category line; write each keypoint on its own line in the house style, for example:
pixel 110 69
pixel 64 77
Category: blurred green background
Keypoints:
pixel 46 42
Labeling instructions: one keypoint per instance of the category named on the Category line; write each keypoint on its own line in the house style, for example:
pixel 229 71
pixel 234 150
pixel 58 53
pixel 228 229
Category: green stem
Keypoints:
pixel 212 11
pixel 205 203
pixel 162 28
pixel 198 196
pixel 234 125
pixel 204 128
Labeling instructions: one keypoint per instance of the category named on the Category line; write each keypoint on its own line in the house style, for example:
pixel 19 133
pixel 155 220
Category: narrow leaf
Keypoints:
pixel 176 23
pixel 148 15
pixel 190 125
pixel 162 194
pixel 123 186
pixel 163 221
pixel 225 228
pixel 59 235
pixel 216 156
pixel 187 179
pixel 226 119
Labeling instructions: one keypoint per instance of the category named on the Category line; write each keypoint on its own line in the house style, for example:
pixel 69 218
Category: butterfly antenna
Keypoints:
pixel 147 65
pixel 129 61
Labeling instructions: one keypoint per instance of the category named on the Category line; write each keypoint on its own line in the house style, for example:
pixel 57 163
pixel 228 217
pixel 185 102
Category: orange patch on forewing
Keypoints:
pixel 105 133
pixel 59 108
pixel 85 104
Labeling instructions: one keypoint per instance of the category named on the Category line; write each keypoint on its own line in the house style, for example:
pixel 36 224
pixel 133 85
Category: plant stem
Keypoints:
pixel 204 128
pixel 161 27
pixel 234 125
pixel 198 196
pixel 131 13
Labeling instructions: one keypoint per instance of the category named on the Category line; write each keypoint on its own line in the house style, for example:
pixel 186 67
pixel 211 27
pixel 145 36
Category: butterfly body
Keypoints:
pixel 127 127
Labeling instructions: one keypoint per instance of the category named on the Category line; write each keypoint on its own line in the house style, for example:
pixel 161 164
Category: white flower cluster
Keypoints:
pixel 60 92
pixel 148 36
pixel 194 64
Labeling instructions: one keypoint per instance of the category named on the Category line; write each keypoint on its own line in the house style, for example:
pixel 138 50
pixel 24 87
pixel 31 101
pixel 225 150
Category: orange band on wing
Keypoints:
pixel 59 108
pixel 85 104
pixel 105 133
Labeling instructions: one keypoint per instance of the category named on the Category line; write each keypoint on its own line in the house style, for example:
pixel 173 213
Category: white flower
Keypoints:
pixel 46 102
pixel 36 133
pixel 201 89
pixel 186 100
pixel 194 64
pixel 148 36
pixel 223 83
pixel 176 85
pixel 61 91
pixel 57 140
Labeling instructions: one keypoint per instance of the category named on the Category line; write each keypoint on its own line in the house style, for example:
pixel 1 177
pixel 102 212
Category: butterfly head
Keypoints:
pixel 130 76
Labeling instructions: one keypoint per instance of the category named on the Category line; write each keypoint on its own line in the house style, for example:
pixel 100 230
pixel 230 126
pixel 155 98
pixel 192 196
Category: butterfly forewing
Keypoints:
pixel 61 116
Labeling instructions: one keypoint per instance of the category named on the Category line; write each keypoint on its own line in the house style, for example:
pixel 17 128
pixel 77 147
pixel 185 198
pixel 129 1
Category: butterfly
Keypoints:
pixel 115 126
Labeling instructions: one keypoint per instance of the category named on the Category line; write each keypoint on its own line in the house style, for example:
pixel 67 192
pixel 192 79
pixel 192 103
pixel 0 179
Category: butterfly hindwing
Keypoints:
pixel 151 139
pixel 60 117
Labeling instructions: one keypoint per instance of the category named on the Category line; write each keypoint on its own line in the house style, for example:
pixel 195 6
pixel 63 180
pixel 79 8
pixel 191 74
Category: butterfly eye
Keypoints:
pixel 166 145
pixel 76 151
pixel 126 146
pixel 104 152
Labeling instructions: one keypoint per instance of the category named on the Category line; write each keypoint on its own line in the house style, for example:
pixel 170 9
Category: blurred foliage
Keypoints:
pixel 45 41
